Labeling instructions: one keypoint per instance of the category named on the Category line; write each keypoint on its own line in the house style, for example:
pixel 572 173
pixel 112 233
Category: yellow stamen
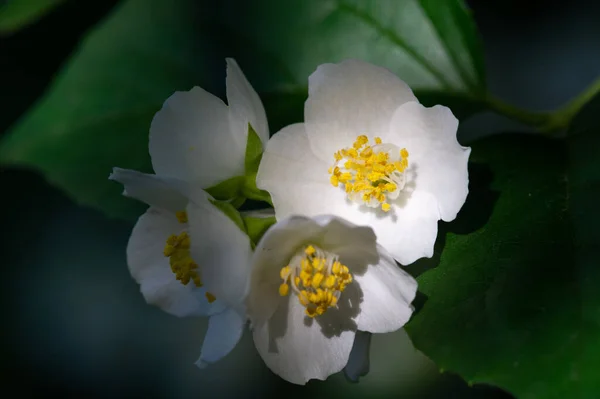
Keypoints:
pixel 284 289
pixel 181 216
pixel 210 297
pixel 372 175
pixel 317 278
pixel 177 249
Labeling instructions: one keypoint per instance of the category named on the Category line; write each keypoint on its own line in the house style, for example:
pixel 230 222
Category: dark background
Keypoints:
pixel 74 323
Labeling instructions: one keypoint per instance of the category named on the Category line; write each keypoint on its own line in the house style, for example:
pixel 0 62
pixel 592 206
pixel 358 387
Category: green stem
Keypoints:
pixel 568 111
pixel 530 118
pixel 546 121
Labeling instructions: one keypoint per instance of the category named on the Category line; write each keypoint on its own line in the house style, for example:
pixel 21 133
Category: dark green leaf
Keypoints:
pixel 258 226
pixel 231 213
pixel 431 44
pixel 254 150
pixel 514 299
pixel 17 14
pixel 97 112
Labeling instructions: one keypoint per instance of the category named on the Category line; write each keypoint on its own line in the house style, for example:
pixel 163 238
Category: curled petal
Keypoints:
pixel 358 363
pixel 224 332
pixel 157 191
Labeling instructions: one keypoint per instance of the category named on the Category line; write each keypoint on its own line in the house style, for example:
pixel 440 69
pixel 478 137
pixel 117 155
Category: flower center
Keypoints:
pixel 177 249
pixel 317 278
pixel 372 175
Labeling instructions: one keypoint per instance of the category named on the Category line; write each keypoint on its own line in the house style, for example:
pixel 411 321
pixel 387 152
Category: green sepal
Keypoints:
pixel 256 227
pixel 254 151
pixel 227 189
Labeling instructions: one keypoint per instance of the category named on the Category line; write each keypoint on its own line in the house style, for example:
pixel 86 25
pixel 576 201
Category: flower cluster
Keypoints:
pixel 356 189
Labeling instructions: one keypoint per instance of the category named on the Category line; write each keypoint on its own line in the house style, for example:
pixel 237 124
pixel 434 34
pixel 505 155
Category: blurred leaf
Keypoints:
pixel 97 112
pixel 17 14
pixel 515 303
pixel 431 44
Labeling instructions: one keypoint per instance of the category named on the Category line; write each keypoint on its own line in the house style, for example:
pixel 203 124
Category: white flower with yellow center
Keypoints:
pixel 160 260
pixel 369 152
pixel 196 141
pixel 314 283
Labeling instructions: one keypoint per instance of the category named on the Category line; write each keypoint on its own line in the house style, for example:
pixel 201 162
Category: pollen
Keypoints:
pixel 372 175
pixel 210 297
pixel 181 216
pixel 317 278
pixel 177 249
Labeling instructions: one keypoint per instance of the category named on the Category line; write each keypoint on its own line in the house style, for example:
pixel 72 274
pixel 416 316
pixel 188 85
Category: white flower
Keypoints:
pixel 196 141
pixel 159 258
pixel 369 152
pixel 196 137
pixel 314 283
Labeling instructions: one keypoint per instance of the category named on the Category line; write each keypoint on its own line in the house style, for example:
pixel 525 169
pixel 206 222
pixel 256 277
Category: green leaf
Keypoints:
pixel 254 151
pixel 231 213
pixel 258 226
pixel 431 44
pixel 97 112
pixel 17 14
pixel 514 301
pixel 227 189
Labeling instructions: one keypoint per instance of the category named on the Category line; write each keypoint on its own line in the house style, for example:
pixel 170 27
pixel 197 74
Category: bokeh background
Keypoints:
pixel 74 323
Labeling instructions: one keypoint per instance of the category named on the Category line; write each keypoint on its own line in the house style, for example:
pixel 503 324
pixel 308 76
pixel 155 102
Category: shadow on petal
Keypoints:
pixel 277 324
pixel 341 318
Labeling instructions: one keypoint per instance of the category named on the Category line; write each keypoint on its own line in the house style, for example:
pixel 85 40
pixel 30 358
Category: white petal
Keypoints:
pixel 221 249
pixel 296 179
pixel 154 190
pixel 274 251
pixel 349 99
pixel 439 161
pixel 387 293
pixel 151 269
pixel 191 139
pixel 408 231
pixel 298 348
pixel 244 104
pixel 224 332
pixel 358 363
pixel 355 245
